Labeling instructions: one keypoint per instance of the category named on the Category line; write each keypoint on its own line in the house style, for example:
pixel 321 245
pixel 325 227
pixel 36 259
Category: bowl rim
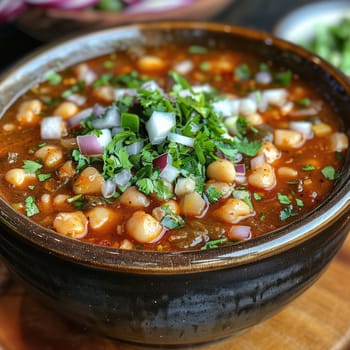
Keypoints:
pixel 149 262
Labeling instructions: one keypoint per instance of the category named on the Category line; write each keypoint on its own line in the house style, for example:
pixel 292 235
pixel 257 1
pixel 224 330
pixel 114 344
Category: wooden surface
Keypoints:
pixel 318 320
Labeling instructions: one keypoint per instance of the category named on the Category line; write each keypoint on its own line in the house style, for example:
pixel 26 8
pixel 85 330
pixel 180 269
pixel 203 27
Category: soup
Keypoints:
pixel 169 149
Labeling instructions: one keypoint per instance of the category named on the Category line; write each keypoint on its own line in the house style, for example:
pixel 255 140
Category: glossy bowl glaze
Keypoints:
pixel 177 298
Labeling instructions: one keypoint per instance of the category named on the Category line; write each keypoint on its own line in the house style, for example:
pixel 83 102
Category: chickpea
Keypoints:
pixel 184 185
pixel 102 219
pixel 89 181
pixel 126 244
pixel 255 119
pixel 233 211
pixel 29 112
pixel 321 129
pixel 288 172
pixel 223 187
pixel 270 151
pixel 338 142
pixel 263 176
pixel 104 93
pixel 50 155
pixel 143 227
pixel 133 198
pixel 66 110
pixel 67 170
pixel 158 212
pixel 83 72
pixel 222 170
pixel 17 177
pixel 60 202
pixel 151 63
pixel 192 204
pixel 45 202
pixel 288 139
pixel 72 224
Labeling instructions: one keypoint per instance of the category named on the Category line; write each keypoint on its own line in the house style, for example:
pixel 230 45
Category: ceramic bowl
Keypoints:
pixel 177 298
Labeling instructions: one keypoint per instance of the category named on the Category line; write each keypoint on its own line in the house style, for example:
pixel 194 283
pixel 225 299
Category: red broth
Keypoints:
pixel 169 149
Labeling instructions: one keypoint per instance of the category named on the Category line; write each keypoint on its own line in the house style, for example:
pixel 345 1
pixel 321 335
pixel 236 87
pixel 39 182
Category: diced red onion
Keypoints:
pixel 46 3
pixel 134 148
pixel 263 78
pixel 108 188
pixel 159 125
pixel 240 169
pixel 89 145
pixel 110 119
pixel 78 118
pixel 122 178
pixel 275 97
pixel 162 161
pixel 183 140
pixel 257 161
pixel 303 127
pixel 156 6
pixel 241 179
pixel 9 9
pixel 77 4
pixel 79 100
pixel 304 112
pixel 239 232
pixel 51 128
pixel 184 67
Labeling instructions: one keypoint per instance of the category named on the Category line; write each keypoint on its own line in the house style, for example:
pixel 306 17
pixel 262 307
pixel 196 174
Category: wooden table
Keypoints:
pixel 318 320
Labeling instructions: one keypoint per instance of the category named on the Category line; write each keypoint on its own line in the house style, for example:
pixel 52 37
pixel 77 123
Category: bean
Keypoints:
pixel 192 204
pixel 221 170
pixel 288 139
pixel 338 142
pixel 19 178
pixel 321 129
pixel 184 185
pixel 133 198
pixel 72 224
pixel 158 212
pixel 151 63
pixel 102 219
pixel 233 211
pixel 285 171
pixel 50 155
pixel 263 177
pixel 67 170
pixel 66 110
pixel 143 227
pixel 29 112
pixel 270 151
pixel 89 181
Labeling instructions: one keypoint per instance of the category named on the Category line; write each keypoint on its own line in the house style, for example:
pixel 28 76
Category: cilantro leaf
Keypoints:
pixel 308 167
pixel 213 194
pixel 329 172
pixel 30 206
pixel 283 199
pixel 287 213
pixel 43 177
pixel 145 186
pixel 31 167
pixel 242 72
pixel 52 77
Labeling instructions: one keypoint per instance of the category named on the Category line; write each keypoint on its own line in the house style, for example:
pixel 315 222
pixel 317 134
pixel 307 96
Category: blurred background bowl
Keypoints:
pixel 51 23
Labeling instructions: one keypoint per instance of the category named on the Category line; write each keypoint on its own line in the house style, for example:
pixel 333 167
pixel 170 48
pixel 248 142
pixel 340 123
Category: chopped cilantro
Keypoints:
pixel 213 194
pixel 78 87
pixel 43 177
pixel 283 78
pixel 257 196
pixel 31 167
pixel 81 160
pixel 145 185
pixel 52 77
pixel 242 72
pixel 283 199
pixel 197 49
pixel 74 198
pixel 308 167
pixel 304 102
pixel 287 213
pixel 31 187
pixel 299 202
pixel 205 66
pixel 108 64
pixel 214 243
pixel 104 79
pixel 171 220
pixel 329 173
pixel 30 206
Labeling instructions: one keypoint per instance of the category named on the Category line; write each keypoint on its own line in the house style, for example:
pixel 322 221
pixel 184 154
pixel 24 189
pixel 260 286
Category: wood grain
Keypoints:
pixel 319 320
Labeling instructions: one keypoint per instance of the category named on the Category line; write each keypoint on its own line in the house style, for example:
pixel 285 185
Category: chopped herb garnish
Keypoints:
pixel 283 199
pixel 31 167
pixel 257 196
pixel 329 173
pixel 197 49
pixel 130 121
pixel 242 72
pixel 287 213
pixel 215 243
pixel 81 160
pixel 171 220
pixel 44 177
pixel 205 66
pixel 283 78
pixel 52 77
pixel 74 198
pixel 30 206
pixel 304 102
pixel 213 194
pixel 308 167
pixel 299 202
pixel 78 87
pixel 31 187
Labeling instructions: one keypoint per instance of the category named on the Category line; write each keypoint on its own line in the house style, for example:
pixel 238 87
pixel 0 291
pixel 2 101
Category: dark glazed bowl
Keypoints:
pixel 177 298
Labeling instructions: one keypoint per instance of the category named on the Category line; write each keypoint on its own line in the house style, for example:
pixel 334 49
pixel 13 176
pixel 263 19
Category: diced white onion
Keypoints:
pixel 169 173
pixel 159 125
pixel 257 160
pixel 117 130
pixel 247 106
pixel 226 107
pixel 276 97
pixel 108 189
pixel 134 148
pixel 105 137
pixel 79 117
pixel 183 140
pixel 303 127
pixel 118 93
pixel 122 178
pixel 89 145
pixel 110 119
pixel 51 128
pixel 152 85
pixel 263 78
pixel 183 67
